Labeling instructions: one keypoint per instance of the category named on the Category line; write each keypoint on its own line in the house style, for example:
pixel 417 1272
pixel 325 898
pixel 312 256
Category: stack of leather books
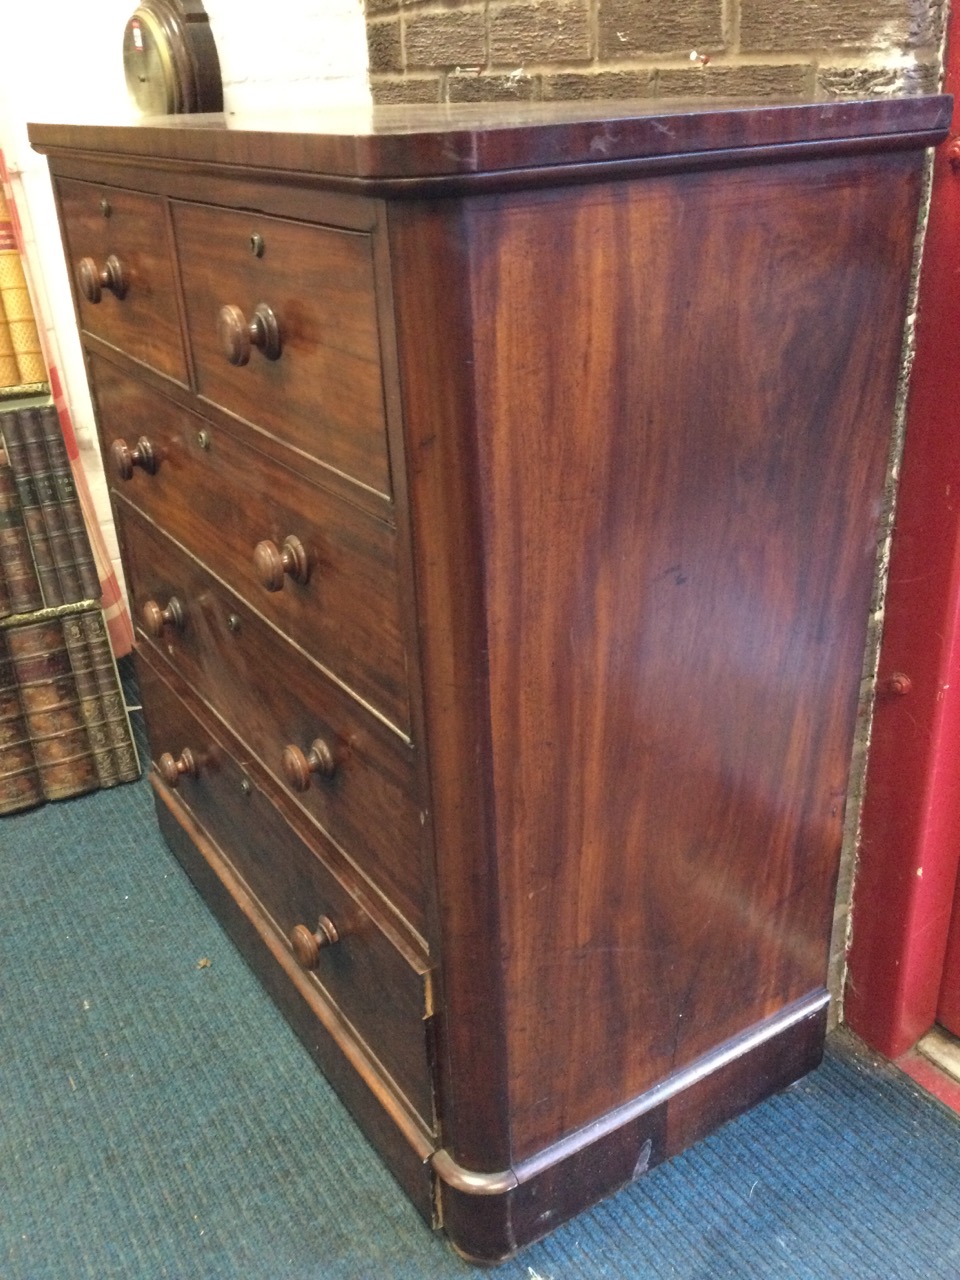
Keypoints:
pixel 64 728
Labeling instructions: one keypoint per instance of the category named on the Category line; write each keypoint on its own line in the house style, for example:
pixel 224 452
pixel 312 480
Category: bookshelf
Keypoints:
pixel 64 728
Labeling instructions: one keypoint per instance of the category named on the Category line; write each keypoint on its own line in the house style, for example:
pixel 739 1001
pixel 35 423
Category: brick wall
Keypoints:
pixel 482 50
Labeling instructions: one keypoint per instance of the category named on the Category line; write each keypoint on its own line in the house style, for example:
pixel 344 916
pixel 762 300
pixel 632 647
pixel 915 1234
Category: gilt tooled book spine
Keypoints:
pixel 92 707
pixel 20 785
pixel 116 717
pixel 6 605
pixel 16 561
pixel 51 706
pixel 33 517
pixel 81 552
pixel 61 545
pixel 101 697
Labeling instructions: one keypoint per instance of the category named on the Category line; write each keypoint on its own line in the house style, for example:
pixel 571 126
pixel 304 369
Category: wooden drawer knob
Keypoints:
pixel 155 618
pixel 271 563
pixel 92 279
pixel 307 946
pixel 237 335
pixel 124 458
pixel 172 770
pixel 299 765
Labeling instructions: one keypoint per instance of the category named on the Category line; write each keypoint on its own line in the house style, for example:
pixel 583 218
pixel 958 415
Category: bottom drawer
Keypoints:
pixel 375 989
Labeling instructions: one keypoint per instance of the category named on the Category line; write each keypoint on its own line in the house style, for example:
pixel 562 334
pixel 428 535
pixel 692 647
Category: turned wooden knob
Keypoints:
pixel 271 563
pixel 155 618
pixel 299 765
pixel 237 335
pixel 172 770
pixel 124 458
pixel 307 946
pixel 93 279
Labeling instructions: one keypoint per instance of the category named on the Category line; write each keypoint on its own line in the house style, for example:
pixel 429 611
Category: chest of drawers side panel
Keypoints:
pixel 683 423
pixel 644 537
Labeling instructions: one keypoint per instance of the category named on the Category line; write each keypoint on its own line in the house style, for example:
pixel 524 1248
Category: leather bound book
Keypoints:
pixel 61 544
pixel 92 707
pixel 51 706
pixel 61 472
pixel 33 517
pixel 6 606
pixel 16 561
pixel 104 670
pixel 19 779
pixel 101 698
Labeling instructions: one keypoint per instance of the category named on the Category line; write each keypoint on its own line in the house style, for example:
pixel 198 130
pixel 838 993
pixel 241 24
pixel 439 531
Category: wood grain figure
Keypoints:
pixel 500 510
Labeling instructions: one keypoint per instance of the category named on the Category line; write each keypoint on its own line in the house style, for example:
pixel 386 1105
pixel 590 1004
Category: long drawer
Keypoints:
pixel 354 776
pixel 118 250
pixel 282 323
pixel 222 499
pixel 377 991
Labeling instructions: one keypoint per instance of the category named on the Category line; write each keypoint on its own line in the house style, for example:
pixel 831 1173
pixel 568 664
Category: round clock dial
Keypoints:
pixel 149 67
pixel 170 60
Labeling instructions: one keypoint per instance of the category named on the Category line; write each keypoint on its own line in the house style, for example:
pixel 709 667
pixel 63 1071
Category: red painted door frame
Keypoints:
pixel 910 836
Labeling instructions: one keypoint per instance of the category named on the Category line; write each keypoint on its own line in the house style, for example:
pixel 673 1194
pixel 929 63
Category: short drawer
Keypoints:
pixel 378 992
pixel 118 254
pixel 319 386
pixel 221 498
pixel 361 788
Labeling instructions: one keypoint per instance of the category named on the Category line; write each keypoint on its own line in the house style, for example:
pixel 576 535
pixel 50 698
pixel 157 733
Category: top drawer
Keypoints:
pixel 137 309
pixel 318 386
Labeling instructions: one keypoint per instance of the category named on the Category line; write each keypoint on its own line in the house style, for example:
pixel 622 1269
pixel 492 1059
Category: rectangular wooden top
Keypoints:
pixel 397 146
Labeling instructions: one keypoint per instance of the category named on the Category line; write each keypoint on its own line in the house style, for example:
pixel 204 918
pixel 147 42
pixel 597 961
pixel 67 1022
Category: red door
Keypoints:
pixel 903 908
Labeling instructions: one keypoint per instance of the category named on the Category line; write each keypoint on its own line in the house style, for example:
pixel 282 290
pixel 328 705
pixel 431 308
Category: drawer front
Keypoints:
pixel 370 982
pixel 323 393
pixel 363 795
pixel 139 316
pixel 220 499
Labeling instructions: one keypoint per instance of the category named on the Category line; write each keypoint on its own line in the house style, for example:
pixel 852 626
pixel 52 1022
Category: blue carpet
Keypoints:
pixel 158 1119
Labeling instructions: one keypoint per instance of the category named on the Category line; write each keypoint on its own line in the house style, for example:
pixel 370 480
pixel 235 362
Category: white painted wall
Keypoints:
pixel 67 66
pixel 299 53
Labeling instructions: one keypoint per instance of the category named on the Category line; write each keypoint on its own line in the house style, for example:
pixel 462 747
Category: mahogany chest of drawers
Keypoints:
pixel 497 490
